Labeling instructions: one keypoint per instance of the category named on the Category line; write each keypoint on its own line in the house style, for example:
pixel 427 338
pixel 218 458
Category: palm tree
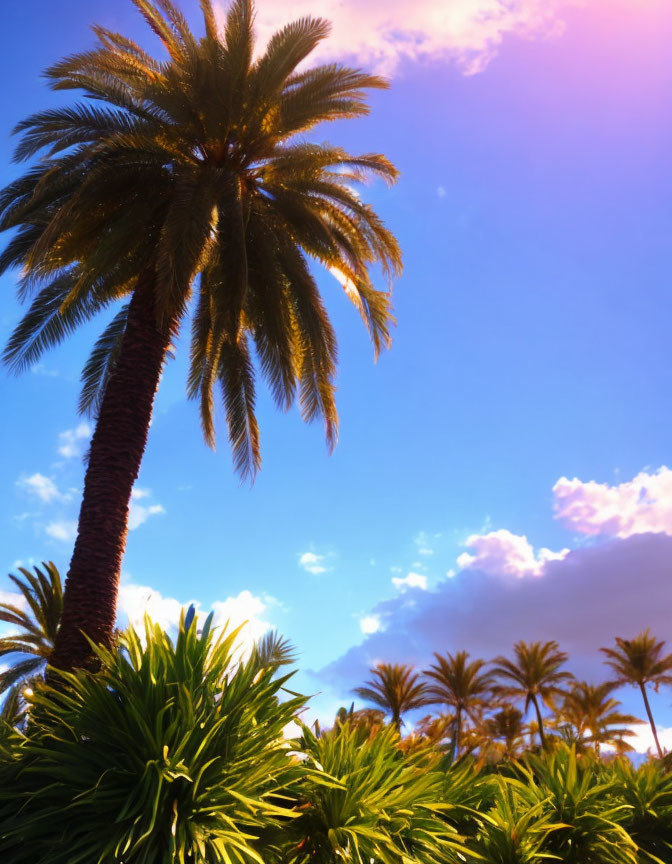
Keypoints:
pixel 503 733
pixel 533 675
pixel 187 189
pixel 460 685
pixel 395 688
pixel 640 661
pixel 596 716
pixel 34 620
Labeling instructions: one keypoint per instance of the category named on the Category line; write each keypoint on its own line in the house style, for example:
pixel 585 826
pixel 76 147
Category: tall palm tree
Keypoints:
pixel 459 684
pixel 596 716
pixel 34 620
pixel 641 661
pixel 534 675
pixel 395 688
pixel 186 189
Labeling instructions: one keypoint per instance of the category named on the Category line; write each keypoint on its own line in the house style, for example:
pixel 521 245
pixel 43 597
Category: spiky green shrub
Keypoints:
pixel 581 797
pixel 515 830
pixel 172 752
pixel 647 792
pixel 367 801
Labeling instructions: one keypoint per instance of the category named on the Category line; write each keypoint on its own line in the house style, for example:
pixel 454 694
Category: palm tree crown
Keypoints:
pixel 185 188
pixel 533 675
pixel 395 688
pixel 456 682
pixel 641 661
pixel 34 619
pixel 595 714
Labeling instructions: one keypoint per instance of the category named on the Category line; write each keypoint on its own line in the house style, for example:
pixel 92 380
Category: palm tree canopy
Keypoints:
pixel 639 661
pixel 396 688
pixel 34 620
pixel 457 682
pixel 190 166
pixel 534 672
pixel 595 713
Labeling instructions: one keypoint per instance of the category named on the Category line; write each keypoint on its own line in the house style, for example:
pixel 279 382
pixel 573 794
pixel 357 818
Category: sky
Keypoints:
pixel 502 471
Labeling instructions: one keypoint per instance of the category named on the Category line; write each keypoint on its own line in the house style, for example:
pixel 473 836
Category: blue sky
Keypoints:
pixel 534 210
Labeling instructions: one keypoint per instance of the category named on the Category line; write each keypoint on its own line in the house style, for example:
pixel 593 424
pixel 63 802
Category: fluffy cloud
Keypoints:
pixel 583 600
pixel 245 610
pixel 411 580
pixel 313 563
pixel 502 553
pixel 138 514
pixel 13 598
pixel 423 543
pixel 382 33
pixel 62 529
pixel 635 507
pixel 72 442
pixel 369 624
pixel 40 486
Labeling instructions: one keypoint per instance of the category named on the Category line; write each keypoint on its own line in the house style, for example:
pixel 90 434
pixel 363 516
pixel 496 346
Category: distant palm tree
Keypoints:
pixel 534 675
pixel 395 688
pixel 187 188
pixel 34 620
pixel 641 661
pixel 460 685
pixel 594 713
pixel 503 733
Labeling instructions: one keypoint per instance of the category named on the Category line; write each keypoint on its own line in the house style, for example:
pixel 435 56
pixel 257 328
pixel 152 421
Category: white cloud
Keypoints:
pixel 41 369
pixel 40 487
pixel 72 441
pixel 313 563
pixel 138 514
pixel 441 191
pixel 13 598
pixel 501 553
pixel 370 624
pixel 382 33
pixel 637 506
pixel 62 529
pixel 642 739
pixel 412 580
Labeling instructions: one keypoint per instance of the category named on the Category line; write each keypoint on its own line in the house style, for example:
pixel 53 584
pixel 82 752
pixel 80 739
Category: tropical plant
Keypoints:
pixel 583 803
pixel 187 188
pixel 172 752
pixel 372 803
pixel 641 661
pixel 460 685
pixel 34 619
pixel 396 689
pixel 533 676
pixel 646 793
pixel 596 716
pixel 501 736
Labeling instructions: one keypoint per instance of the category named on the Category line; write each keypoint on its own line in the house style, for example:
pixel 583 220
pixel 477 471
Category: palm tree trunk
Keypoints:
pixel 117 447
pixel 540 722
pixel 458 734
pixel 645 697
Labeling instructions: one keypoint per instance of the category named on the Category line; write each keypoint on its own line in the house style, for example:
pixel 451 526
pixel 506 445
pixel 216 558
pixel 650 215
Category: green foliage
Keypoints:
pixel 172 752
pixel 34 621
pixel 647 792
pixel 379 803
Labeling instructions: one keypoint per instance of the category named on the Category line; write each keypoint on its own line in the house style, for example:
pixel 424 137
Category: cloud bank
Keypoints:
pixel 383 33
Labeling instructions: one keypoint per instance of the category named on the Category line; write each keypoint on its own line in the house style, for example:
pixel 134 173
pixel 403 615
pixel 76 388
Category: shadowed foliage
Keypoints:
pixel 183 189
pixel 33 618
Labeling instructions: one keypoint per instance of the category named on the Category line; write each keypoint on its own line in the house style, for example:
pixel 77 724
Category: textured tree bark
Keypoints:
pixel 117 447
